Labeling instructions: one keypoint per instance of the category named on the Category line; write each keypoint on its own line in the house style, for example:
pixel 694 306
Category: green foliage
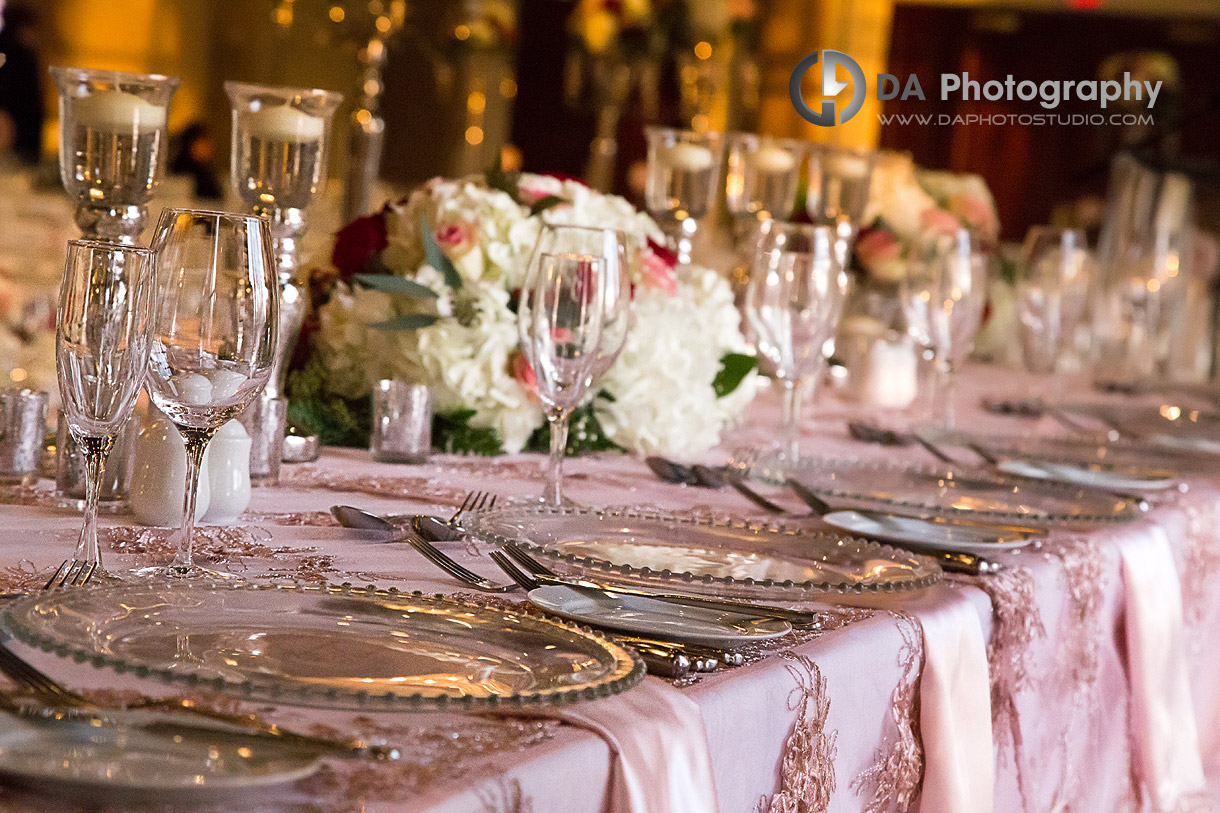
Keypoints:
pixel 585 434
pixel 435 257
pixel 453 434
pixel 335 420
pixel 407 321
pixel 543 204
pixel 507 181
pixel 734 367
pixel 395 285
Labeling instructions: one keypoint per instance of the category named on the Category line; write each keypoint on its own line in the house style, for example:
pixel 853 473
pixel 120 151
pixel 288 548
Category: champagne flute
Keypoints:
pixel 573 272
pixel 1054 277
pixel 793 304
pixel 101 349
pixel 943 295
pixel 215 327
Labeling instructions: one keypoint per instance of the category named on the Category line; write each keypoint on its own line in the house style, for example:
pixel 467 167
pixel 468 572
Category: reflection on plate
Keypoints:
pixel 949 492
pixel 1089 477
pixel 326 646
pixel 627 545
pixel 929 534
pixel 663 619
pixel 1170 425
pixel 82 757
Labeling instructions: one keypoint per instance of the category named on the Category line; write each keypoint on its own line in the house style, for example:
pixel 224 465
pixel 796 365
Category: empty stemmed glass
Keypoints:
pixel 943 295
pixel 213 338
pixel 102 349
pixel 1054 277
pixel 573 273
pixel 793 304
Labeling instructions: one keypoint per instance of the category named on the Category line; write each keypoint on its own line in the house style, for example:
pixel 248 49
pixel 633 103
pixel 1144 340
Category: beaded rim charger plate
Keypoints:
pixel 682 552
pixel 329 646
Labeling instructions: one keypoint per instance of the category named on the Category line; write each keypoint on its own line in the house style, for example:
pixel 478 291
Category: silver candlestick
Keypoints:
pixel 112 139
pixel 278 167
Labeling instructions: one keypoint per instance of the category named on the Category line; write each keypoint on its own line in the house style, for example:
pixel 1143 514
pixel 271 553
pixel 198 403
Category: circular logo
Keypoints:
pixel 831 87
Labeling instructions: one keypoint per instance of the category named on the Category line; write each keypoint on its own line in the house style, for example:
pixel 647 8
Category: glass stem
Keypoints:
pixel 558 419
pixel 94 450
pixel 196 441
pixel 791 448
pixel 944 395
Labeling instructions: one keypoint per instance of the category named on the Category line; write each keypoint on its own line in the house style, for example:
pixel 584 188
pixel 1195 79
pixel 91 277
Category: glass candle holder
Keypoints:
pixel 112 141
pixel 839 181
pixel 280 137
pixel 763 174
pixel 683 167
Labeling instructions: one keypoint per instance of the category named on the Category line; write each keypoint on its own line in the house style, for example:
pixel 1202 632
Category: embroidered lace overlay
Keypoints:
pixel 505 797
pixel 897 774
pixel 419 489
pixel 807 773
pixel 1017 622
pixel 1198 563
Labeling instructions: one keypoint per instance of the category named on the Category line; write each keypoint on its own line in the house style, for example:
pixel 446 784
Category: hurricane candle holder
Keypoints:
pixel 112 139
pixel 279 149
pixel 839 182
pixel 762 178
pixel 683 166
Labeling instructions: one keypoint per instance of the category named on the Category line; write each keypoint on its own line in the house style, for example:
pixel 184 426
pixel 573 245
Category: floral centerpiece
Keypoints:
pixel 426 291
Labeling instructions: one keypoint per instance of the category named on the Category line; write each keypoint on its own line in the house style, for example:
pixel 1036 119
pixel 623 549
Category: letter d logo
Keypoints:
pixel 831 87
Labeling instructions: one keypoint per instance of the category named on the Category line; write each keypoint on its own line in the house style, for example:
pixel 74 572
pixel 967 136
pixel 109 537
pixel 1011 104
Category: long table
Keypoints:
pixel 824 720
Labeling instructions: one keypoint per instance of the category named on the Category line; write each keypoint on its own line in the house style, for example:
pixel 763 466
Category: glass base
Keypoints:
pixel 178 573
pixel 104 507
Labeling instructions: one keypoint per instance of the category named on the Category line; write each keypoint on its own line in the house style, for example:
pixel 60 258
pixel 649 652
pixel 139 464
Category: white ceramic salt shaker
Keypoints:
pixel 158 481
pixel 228 474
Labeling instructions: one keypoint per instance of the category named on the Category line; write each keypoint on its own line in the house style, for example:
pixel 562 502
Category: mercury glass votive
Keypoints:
pixel 278 166
pixel 683 167
pixel 112 142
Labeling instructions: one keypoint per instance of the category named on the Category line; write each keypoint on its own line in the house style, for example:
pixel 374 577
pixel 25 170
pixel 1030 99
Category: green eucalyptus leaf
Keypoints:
pixel 542 204
pixel 408 321
pixel 436 258
pixel 734 367
pixel 395 285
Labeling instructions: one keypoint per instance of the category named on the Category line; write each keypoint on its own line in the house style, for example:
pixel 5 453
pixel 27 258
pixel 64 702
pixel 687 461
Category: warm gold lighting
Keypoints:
pixel 337 14
pixel 462 32
pixel 18 374
pixel 474 135
pixel 1154 285
pixel 363 116
pixel 703 50
pixel 699 122
pixel 476 102
pixel 508 88
pixel 384 24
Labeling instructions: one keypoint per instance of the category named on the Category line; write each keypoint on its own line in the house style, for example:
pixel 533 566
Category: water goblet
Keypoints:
pixel 214 332
pixel 793 304
pixel 112 142
pixel 683 166
pixel 943 295
pixel 278 166
pixel 573 271
pixel 839 181
pixel 102 347
pixel 1054 277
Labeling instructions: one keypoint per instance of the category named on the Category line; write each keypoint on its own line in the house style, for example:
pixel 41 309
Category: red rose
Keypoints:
pixel 663 253
pixel 357 242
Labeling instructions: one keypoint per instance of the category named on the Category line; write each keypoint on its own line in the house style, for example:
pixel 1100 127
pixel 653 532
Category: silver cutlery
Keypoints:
pixel 446 563
pixel 61 703
pixel 72 573
pixel 1139 500
pixel 430 527
pixel 540 575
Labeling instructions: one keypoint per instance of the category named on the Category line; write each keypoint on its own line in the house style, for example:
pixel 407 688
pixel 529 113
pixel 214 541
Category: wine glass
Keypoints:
pixel 943 295
pixel 839 182
pixel 573 272
pixel 215 327
pixel 1054 277
pixel 681 186
pixel 101 349
pixel 793 304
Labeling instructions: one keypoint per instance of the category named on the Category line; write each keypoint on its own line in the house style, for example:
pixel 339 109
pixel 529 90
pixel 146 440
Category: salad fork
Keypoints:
pixel 72 573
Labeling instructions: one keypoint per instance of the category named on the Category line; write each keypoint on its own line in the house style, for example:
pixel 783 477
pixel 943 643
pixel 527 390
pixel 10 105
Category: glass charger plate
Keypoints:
pixel 332 647
pixel 948 492
pixel 928 534
pixel 1168 425
pixel 657 549
pixel 78 758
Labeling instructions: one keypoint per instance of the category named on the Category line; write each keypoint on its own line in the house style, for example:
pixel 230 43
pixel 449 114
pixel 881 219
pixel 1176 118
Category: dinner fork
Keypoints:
pixel 72 573
pixel 446 563
pixel 475 501
pixel 54 695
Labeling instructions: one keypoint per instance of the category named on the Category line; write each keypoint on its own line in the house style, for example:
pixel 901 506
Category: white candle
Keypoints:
pixel 847 165
pixel 773 159
pixel 283 123
pixel 689 157
pixel 194 389
pixel 225 384
pixel 115 111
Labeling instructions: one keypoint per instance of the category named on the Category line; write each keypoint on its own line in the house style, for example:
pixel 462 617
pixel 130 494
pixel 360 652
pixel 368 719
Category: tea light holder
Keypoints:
pixel 278 162
pixel 838 192
pixel 265 420
pixel 70 473
pixel 402 422
pixel 22 431
pixel 112 142
pixel 683 168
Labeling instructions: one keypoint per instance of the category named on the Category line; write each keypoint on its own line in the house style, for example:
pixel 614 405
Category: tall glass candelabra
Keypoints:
pixel 280 138
pixel 112 139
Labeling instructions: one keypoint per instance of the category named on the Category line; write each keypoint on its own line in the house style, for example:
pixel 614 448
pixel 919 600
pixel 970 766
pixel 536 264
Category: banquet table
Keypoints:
pixel 827 719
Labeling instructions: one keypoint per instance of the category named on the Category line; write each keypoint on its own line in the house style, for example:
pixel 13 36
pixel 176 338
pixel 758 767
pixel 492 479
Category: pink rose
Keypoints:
pixel 877 246
pixel 524 373
pixel 456 239
pixel 938 221
pixel 657 272
pixel 976 214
